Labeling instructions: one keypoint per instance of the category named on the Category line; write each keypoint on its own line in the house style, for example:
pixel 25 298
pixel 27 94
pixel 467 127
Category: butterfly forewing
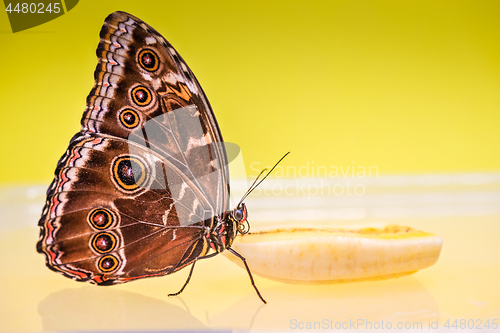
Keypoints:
pixel 138 187
pixel 140 78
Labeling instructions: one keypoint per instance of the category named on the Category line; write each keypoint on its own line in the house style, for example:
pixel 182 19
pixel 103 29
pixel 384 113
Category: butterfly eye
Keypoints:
pixel 238 215
pixel 149 60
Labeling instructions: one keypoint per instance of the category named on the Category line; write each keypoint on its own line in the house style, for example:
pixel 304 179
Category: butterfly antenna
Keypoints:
pixel 250 189
pixel 254 185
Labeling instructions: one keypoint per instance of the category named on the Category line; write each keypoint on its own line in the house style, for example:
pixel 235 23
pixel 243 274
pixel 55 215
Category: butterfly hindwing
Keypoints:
pixel 92 217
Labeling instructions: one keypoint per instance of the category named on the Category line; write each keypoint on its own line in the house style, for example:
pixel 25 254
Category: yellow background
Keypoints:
pixel 406 86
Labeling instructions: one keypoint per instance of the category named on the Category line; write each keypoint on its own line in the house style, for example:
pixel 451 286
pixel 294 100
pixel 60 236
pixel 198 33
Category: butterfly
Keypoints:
pixel 143 188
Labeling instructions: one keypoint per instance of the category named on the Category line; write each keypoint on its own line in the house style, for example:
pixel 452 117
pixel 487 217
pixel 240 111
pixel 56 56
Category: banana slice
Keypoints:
pixel 315 256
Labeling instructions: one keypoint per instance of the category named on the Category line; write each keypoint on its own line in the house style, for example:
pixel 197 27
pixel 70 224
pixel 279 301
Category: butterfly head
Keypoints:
pixel 240 216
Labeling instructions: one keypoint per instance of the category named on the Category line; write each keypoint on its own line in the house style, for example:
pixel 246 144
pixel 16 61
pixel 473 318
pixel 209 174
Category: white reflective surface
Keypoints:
pixel 462 285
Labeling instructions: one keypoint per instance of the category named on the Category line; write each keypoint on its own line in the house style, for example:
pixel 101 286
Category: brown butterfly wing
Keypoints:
pixel 140 185
pixel 136 61
pixel 93 229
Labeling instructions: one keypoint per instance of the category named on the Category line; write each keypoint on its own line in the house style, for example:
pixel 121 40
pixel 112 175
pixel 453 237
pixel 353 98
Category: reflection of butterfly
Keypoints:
pixel 143 188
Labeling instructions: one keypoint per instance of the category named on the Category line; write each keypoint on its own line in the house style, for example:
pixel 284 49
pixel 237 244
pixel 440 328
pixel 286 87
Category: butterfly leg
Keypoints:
pixel 248 271
pixel 191 271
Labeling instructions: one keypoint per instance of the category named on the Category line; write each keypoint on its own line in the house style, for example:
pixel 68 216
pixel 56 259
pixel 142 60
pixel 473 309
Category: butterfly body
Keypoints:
pixel 143 188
